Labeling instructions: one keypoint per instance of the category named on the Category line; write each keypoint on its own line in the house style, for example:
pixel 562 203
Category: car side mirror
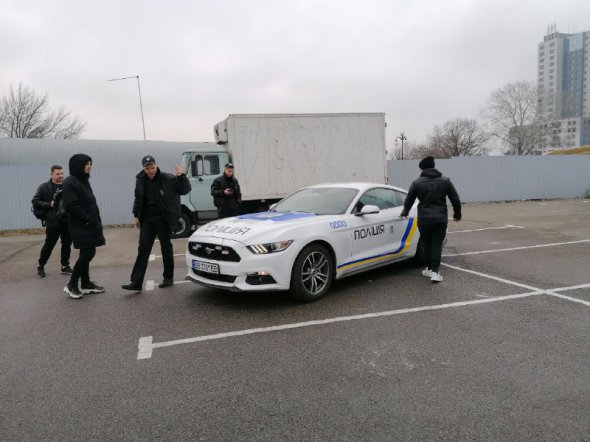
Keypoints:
pixel 368 209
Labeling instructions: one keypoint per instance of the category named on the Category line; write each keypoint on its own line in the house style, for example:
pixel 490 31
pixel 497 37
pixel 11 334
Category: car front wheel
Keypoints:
pixel 312 273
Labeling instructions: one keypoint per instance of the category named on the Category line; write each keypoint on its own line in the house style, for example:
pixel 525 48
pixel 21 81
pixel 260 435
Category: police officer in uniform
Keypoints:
pixel 156 210
pixel 226 193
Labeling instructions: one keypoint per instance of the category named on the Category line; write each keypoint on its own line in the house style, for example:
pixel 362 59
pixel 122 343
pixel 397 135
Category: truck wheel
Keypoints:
pixel 183 228
pixel 312 273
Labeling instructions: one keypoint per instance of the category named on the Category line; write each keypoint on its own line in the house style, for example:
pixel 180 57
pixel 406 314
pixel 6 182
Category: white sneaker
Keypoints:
pixel 436 277
pixel 427 272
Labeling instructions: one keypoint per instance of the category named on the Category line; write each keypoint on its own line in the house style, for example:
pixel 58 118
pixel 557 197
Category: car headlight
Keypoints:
pixel 273 247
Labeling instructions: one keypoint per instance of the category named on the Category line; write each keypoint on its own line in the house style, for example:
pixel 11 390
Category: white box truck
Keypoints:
pixel 276 154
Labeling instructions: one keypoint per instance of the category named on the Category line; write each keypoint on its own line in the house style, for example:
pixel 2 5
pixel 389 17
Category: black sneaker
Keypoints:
pixel 41 272
pixel 66 270
pixel 166 283
pixel 89 287
pixel 134 286
pixel 73 291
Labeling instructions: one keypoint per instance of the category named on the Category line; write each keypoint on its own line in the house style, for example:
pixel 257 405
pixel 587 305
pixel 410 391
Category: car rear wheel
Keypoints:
pixel 312 273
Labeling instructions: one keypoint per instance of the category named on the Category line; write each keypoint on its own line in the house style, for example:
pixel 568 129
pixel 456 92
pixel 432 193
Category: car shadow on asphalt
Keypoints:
pixel 275 301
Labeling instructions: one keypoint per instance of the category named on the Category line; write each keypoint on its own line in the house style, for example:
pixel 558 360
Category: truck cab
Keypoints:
pixel 201 165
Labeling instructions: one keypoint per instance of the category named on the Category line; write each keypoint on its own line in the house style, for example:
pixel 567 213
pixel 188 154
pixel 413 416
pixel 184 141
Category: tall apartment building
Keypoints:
pixel 563 84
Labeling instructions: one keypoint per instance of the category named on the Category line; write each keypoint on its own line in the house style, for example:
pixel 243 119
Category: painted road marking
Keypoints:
pixel 518 248
pixel 508 226
pixel 160 256
pixel 146 344
pixel 149 285
pixel 550 292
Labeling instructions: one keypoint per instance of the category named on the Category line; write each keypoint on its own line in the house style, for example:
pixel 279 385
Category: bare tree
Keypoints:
pixel 458 137
pixel 24 114
pixel 513 116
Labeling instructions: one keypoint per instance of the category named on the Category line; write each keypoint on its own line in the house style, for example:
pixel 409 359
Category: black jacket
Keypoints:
pixel 80 205
pixel 170 188
pixel 431 189
pixel 42 201
pixel 221 183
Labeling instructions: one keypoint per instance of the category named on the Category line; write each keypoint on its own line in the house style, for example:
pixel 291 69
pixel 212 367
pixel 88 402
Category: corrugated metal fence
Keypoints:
pixel 505 178
pixel 24 164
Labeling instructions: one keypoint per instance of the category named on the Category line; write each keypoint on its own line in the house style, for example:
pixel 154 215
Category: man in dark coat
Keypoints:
pixel 226 193
pixel 84 223
pixel 156 210
pixel 45 199
pixel 432 190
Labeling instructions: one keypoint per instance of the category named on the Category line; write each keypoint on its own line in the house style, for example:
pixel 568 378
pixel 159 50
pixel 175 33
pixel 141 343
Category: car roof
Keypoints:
pixel 357 185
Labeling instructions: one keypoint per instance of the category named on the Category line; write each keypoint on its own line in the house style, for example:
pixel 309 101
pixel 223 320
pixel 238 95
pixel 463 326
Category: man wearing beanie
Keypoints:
pixel 156 210
pixel 432 190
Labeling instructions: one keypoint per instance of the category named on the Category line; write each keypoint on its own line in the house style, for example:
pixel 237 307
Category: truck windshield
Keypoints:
pixel 318 200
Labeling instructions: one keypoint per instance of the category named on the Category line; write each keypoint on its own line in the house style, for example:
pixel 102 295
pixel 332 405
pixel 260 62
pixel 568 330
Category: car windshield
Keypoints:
pixel 318 200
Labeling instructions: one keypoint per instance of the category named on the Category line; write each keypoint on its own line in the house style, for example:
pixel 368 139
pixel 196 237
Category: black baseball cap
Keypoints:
pixel 229 165
pixel 148 159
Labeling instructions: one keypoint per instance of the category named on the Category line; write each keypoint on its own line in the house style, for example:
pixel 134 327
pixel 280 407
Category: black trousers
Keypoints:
pixel 52 234
pixel 433 235
pixel 149 229
pixel 228 209
pixel 81 270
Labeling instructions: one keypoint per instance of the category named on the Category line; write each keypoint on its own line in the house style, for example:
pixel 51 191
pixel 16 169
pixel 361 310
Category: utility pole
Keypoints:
pixel 140 103
pixel 402 137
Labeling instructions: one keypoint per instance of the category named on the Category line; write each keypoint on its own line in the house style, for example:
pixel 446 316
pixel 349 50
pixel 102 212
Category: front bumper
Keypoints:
pixel 238 276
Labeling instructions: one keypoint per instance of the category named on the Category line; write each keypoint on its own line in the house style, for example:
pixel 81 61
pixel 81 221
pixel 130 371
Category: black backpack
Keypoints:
pixel 40 214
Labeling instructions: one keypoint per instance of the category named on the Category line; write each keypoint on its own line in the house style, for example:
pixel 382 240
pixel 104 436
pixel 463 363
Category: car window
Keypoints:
pixel 401 197
pixel 380 197
pixel 319 200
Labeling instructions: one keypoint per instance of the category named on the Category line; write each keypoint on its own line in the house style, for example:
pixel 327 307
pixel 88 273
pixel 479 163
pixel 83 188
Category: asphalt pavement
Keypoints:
pixel 498 351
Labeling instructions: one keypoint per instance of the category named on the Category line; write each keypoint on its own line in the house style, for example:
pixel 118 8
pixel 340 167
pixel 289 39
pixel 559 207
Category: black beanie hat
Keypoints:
pixel 426 163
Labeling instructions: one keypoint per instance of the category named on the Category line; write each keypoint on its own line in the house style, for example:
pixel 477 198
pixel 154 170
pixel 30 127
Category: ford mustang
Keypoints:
pixel 308 239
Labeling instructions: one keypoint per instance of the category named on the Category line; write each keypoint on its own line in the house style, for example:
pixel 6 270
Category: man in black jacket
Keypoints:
pixel 45 199
pixel 432 189
pixel 226 193
pixel 84 223
pixel 156 210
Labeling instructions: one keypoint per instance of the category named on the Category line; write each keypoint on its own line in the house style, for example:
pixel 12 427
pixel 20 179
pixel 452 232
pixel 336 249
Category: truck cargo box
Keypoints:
pixel 277 154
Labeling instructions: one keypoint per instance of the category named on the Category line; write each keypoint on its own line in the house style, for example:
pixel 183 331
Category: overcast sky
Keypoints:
pixel 422 62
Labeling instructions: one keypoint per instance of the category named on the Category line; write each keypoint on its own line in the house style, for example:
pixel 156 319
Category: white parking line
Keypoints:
pixel 550 292
pixel 146 344
pixel 153 257
pixel 517 248
pixel 508 226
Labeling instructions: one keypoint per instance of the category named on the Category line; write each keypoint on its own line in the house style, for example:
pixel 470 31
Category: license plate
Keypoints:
pixel 206 267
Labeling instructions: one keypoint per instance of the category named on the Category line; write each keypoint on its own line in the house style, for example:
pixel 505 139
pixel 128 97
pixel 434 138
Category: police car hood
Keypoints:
pixel 256 227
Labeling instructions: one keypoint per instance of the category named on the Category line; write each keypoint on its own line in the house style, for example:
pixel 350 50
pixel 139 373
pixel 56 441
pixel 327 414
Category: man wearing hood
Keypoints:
pixel 156 210
pixel 84 223
pixel 432 189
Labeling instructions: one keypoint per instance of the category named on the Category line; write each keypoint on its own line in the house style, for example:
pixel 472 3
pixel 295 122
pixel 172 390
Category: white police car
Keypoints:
pixel 308 239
